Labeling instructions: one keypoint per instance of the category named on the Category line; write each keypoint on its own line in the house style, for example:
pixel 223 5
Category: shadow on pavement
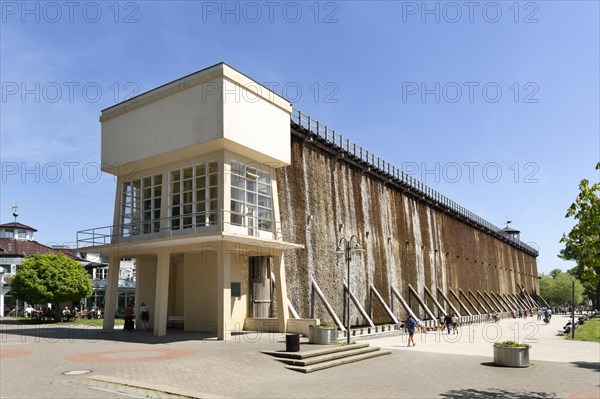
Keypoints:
pixel 491 364
pixel 51 333
pixel 494 393
pixel 587 365
pixel 76 332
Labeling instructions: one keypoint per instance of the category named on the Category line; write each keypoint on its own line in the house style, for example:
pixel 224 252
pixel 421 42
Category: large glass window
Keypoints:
pixel 140 213
pixel 194 196
pixel 251 198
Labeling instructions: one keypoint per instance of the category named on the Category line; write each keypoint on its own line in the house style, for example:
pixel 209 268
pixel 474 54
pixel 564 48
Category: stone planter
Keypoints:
pixel 508 356
pixel 322 335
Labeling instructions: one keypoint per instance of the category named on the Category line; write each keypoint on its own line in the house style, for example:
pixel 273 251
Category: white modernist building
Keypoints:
pixel 196 201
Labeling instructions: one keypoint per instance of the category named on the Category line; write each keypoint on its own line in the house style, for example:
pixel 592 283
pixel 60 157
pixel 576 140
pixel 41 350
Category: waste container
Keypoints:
pixel 292 342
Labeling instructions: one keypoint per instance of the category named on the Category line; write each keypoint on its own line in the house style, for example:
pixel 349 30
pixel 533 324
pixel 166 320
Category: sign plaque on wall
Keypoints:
pixel 236 289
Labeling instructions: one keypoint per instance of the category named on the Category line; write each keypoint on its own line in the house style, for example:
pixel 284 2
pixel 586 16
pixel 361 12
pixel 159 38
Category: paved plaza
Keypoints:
pixel 46 361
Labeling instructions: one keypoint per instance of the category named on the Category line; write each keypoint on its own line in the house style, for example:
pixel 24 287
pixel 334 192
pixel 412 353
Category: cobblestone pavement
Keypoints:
pixel 47 361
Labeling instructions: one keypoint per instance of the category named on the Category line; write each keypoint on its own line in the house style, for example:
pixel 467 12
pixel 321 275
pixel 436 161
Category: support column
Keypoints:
pixel 500 301
pixel 224 295
pixel 136 308
pixel 461 292
pixel 1 297
pixel 411 290
pixel 435 301
pixel 490 307
pixel 460 303
pixel 479 302
pixel 492 300
pixel 512 304
pixel 161 302
pixel 440 292
pixel 283 313
pixel 111 294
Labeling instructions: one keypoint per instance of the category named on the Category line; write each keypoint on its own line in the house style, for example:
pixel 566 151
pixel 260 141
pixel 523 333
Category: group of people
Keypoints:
pixel 450 322
pixel 128 314
pixel 39 314
pixel 520 313
pixel 523 313
pixel 68 314
pixel 411 324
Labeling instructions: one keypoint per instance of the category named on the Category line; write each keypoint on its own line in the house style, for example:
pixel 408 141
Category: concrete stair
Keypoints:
pixel 326 357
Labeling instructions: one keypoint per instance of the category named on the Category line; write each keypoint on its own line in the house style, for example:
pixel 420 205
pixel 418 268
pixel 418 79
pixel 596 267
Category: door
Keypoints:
pixel 260 286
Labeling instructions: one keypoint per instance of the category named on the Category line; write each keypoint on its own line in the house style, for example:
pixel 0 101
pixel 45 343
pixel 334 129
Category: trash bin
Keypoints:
pixel 292 342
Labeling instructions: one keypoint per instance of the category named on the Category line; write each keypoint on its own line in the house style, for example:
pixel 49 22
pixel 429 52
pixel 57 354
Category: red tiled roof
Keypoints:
pixel 16 225
pixel 10 246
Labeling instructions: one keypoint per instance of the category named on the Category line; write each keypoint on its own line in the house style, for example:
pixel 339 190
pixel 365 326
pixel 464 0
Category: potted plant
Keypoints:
pixel 322 333
pixel 511 354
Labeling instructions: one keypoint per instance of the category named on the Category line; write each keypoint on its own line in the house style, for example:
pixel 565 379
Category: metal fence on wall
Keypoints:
pixel 324 133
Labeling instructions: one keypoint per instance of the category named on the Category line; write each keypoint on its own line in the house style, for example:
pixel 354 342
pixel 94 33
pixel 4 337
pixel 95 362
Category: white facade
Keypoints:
pixel 214 109
pixel 196 200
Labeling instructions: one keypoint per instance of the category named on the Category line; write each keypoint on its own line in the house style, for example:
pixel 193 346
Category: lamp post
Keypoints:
pixel 345 248
pixel 572 306
pixel 573 309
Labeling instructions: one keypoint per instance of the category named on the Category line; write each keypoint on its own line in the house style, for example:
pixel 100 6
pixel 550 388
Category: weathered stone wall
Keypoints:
pixel 323 197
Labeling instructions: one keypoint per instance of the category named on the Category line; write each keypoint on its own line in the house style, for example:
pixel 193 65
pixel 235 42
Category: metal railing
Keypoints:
pixel 354 151
pixel 185 225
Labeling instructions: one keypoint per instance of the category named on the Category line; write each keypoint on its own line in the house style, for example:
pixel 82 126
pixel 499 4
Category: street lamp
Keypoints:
pixel 572 307
pixel 345 248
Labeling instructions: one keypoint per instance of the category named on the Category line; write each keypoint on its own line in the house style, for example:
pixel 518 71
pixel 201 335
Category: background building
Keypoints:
pixel 97 267
pixel 16 242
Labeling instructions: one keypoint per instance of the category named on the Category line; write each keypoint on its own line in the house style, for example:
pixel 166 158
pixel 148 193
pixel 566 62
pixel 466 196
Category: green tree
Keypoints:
pixel 582 244
pixel 589 286
pixel 546 287
pixel 555 272
pixel 558 290
pixel 51 278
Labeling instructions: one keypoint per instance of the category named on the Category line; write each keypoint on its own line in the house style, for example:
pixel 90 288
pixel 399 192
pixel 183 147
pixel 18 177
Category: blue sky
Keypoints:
pixel 493 104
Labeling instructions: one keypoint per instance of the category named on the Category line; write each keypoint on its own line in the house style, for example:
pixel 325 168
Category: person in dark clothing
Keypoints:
pixel 409 326
pixel 448 322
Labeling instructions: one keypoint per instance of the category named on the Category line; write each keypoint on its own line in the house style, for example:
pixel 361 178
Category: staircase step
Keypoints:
pixel 328 357
pixel 339 362
pixel 324 350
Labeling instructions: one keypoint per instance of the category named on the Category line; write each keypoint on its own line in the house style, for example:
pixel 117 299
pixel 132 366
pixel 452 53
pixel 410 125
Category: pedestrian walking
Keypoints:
pixel 454 319
pixel 128 314
pixel 448 322
pixel 409 326
pixel 145 315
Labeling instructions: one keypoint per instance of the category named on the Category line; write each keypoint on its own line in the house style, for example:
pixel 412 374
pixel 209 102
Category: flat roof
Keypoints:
pixel 220 69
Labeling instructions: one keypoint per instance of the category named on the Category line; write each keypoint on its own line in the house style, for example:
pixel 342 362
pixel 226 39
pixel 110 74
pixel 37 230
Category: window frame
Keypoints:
pixel 251 197
pixel 141 199
pixel 193 199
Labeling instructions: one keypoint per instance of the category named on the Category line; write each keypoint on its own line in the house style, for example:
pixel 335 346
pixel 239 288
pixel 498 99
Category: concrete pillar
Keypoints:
pixel 161 302
pixel 145 290
pixel 283 313
pixel 1 297
pixel 224 295
pixel 111 294
pixel 136 309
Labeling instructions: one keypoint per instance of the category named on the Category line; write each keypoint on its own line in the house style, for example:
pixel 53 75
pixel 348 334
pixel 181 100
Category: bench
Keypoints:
pixel 175 320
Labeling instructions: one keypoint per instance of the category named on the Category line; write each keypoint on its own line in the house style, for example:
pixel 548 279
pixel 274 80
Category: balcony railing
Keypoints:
pixel 354 151
pixel 180 226
pixel 164 227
